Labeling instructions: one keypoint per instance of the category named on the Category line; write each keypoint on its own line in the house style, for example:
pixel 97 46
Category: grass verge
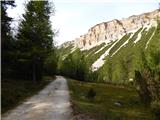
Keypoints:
pixel 14 92
pixel 108 103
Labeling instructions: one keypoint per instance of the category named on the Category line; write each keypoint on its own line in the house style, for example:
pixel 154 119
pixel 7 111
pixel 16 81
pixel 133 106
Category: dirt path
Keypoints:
pixel 52 103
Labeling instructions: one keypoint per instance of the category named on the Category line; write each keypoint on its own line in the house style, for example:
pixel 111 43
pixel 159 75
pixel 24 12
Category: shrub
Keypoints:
pixel 91 94
pixel 142 88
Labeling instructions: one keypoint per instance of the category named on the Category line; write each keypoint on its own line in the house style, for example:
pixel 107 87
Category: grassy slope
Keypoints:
pixel 94 56
pixel 128 57
pixel 120 67
pixel 102 106
pixel 63 51
pixel 16 91
pixel 93 50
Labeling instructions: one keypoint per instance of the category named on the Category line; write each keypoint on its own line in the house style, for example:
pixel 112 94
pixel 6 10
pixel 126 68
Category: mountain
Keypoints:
pixel 114 50
pixel 113 30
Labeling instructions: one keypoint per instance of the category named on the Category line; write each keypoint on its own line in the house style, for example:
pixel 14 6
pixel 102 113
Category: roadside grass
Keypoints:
pixel 14 92
pixel 102 106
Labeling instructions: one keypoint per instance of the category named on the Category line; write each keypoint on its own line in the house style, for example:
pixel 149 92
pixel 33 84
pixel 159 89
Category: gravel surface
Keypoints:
pixel 51 103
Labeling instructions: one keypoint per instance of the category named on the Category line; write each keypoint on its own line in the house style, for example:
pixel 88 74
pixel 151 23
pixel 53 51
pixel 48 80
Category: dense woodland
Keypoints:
pixel 31 54
pixel 27 55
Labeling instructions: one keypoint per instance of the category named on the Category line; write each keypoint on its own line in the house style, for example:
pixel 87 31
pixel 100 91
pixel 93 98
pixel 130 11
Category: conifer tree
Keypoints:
pixel 6 38
pixel 35 37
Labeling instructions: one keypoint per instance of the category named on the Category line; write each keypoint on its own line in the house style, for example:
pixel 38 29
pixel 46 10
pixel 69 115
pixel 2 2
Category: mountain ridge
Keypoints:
pixel 115 60
pixel 112 30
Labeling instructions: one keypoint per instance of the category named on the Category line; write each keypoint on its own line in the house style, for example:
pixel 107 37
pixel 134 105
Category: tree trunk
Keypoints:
pixel 34 72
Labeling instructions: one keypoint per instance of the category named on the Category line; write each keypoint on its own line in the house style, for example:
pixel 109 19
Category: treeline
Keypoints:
pixel 28 54
pixel 74 65
pixel 147 78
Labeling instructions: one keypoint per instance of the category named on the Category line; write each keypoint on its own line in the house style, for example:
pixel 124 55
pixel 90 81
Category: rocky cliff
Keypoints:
pixel 113 30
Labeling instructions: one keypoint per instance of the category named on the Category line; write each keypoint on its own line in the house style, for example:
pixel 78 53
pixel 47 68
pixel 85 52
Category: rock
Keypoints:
pixel 119 104
pixel 112 30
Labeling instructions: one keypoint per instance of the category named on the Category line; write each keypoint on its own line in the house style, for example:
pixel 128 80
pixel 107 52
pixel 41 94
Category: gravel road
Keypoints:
pixel 51 103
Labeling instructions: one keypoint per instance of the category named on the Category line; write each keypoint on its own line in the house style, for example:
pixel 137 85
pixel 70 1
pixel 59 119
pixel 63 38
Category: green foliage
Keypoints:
pixel 50 63
pixel 102 107
pixel 93 50
pixel 74 66
pixel 91 58
pixel 142 88
pixel 115 69
pixel 117 45
pixel 7 42
pixel 28 55
pixel 91 94
pixel 105 72
pixel 64 50
pixel 127 59
pixel 34 39
pixel 148 83
pixel 120 67
pixel 148 77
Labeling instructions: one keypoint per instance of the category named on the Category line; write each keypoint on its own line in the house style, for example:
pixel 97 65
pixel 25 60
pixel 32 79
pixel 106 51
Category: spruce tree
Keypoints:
pixel 35 37
pixel 7 41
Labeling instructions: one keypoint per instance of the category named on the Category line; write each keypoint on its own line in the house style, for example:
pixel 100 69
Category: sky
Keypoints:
pixel 73 18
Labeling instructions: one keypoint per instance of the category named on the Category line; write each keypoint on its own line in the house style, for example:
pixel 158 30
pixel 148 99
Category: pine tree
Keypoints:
pixel 7 41
pixel 35 37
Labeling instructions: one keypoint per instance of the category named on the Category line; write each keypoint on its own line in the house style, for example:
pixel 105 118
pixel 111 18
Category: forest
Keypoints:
pixel 30 59
pixel 27 58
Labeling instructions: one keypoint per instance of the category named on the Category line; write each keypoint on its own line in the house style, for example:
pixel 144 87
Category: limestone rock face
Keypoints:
pixel 113 30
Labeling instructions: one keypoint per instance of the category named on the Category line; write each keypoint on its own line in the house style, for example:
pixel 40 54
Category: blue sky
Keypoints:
pixel 73 19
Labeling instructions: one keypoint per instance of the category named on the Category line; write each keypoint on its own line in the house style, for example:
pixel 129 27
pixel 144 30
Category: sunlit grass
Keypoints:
pixel 103 107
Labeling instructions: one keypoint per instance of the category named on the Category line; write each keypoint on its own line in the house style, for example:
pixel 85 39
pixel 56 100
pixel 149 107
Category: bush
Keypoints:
pixel 155 108
pixel 91 94
pixel 142 88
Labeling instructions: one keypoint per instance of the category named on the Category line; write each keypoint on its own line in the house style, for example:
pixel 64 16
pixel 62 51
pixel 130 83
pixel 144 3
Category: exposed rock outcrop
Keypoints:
pixel 113 30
